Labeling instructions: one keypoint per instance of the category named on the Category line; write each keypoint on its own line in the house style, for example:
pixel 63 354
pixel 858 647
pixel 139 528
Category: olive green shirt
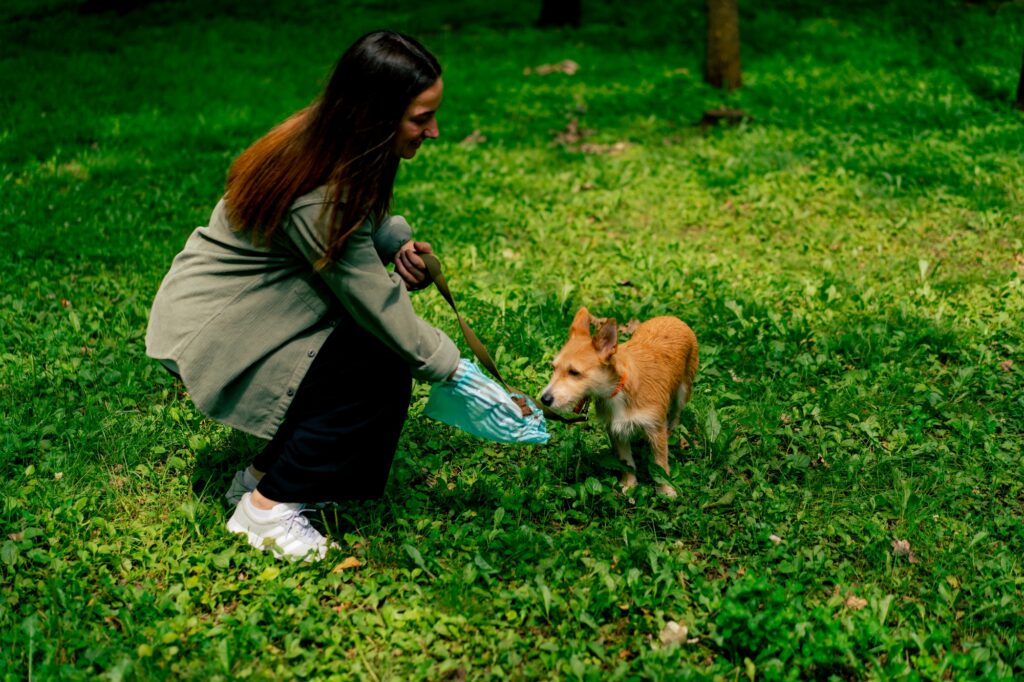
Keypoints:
pixel 241 324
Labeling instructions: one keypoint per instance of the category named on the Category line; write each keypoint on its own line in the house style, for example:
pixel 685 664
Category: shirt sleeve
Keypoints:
pixel 375 298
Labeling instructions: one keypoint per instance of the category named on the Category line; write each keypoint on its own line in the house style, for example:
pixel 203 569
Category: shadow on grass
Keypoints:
pixel 213 471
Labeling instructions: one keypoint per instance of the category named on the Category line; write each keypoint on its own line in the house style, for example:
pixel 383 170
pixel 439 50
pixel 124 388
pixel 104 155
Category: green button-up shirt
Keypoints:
pixel 242 323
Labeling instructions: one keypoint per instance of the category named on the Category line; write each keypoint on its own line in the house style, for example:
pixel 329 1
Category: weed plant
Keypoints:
pixel 850 257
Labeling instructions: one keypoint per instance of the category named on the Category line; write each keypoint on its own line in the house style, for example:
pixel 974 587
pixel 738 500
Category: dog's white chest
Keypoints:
pixel 622 420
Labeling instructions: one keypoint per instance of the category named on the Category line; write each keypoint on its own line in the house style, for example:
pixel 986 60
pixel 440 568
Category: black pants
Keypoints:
pixel 339 436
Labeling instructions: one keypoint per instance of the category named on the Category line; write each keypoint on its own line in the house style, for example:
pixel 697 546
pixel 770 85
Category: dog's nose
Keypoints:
pixel 547 399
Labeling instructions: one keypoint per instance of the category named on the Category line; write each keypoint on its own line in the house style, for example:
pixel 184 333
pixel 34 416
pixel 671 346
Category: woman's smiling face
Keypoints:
pixel 419 122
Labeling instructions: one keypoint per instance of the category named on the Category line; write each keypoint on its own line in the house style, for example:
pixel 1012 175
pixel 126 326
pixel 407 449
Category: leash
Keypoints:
pixel 434 268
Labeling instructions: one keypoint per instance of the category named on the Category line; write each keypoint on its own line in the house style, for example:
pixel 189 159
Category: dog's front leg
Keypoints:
pixel 623 451
pixel 658 437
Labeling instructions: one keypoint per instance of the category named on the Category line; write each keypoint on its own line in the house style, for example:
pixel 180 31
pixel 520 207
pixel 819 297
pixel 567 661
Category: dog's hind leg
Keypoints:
pixel 658 436
pixel 679 401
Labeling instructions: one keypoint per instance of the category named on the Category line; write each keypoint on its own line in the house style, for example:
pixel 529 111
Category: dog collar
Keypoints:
pixel 618 387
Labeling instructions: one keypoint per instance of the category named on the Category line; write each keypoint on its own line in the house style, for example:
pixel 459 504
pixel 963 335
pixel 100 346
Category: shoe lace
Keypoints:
pixel 298 524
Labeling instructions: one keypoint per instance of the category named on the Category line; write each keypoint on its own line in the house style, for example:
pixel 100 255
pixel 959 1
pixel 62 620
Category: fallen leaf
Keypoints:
pixel 615 148
pixel 673 633
pixel 1006 365
pixel 566 66
pixel 475 137
pixel 855 603
pixel 17 537
pixel 901 547
pixel 572 134
pixel 775 538
pixel 349 562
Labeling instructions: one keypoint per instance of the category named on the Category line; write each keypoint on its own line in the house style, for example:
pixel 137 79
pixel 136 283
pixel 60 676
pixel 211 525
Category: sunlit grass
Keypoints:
pixel 851 259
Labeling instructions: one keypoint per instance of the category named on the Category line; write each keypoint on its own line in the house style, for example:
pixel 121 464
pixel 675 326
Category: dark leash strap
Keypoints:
pixel 434 268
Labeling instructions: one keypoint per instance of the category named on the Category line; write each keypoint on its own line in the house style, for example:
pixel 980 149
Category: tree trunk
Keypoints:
pixel 1020 87
pixel 723 57
pixel 560 13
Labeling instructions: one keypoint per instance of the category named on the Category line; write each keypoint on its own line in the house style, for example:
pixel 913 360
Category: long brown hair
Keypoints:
pixel 342 140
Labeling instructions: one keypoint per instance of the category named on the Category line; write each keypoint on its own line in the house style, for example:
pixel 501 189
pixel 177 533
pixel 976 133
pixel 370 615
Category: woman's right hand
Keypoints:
pixel 410 267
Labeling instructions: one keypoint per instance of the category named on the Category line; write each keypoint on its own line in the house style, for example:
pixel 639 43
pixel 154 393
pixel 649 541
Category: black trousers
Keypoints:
pixel 340 433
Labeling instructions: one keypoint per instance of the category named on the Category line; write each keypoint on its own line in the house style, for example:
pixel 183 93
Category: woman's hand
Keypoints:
pixel 410 266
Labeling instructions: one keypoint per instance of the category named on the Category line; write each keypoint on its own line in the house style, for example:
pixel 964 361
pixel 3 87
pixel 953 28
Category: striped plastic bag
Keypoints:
pixel 477 404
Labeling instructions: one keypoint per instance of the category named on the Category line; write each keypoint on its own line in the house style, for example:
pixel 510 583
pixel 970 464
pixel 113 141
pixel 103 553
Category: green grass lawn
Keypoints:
pixel 851 259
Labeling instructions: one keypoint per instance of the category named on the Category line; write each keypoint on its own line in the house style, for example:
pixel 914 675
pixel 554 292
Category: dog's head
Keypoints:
pixel 583 368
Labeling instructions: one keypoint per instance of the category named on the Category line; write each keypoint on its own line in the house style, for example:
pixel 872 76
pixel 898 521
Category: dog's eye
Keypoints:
pixel 572 372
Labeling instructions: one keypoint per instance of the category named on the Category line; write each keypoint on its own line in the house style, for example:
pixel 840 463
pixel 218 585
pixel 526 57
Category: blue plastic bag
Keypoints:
pixel 477 404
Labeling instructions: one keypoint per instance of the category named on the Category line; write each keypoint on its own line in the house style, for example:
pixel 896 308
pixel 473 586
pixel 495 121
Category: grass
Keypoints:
pixel 851 260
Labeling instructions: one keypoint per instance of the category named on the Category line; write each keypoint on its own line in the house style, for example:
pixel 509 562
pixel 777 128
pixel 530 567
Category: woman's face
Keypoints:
pixel 419 121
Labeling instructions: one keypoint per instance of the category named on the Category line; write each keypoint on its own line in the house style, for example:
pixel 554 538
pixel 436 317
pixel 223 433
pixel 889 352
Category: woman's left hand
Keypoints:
pixel 410 266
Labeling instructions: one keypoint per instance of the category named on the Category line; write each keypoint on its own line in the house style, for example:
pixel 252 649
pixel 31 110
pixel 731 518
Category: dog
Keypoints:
pixel 639 388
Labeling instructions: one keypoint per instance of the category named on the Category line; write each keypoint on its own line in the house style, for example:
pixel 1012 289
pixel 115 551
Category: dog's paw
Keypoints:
pixel 667 490
pixel 627 482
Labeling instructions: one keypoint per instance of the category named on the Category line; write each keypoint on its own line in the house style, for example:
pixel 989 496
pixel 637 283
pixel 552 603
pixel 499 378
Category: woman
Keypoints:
pixel 280 316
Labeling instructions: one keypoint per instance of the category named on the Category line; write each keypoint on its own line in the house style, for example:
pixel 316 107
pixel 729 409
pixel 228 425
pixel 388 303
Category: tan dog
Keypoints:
pixel 639 387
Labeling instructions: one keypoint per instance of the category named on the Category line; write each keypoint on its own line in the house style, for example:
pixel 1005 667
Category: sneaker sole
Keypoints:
pixel 255 541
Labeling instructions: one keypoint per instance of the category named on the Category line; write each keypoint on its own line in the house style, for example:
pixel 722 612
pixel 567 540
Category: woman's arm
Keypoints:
pixel 377 299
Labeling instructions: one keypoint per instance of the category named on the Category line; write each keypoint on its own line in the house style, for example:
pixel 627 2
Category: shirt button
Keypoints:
pixel 311 353
pixel 290 392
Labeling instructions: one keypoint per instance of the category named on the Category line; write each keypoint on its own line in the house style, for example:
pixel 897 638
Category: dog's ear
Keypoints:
pixel 580 323
pixel 606 340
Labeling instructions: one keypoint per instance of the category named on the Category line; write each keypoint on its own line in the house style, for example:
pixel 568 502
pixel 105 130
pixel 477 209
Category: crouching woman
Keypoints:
pixel 281 317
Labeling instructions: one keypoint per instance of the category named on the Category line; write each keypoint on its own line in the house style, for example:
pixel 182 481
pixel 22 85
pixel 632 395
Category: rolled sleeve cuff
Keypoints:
pixel 441 364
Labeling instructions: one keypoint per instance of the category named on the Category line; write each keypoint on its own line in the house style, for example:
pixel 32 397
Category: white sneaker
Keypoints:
pixel 242 483
pixel 283 530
